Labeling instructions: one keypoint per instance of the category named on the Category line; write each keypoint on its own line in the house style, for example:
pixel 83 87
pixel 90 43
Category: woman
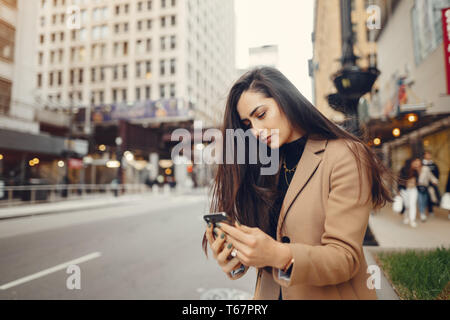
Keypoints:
pixel 303 227
pixel 425 177
pixel 408 191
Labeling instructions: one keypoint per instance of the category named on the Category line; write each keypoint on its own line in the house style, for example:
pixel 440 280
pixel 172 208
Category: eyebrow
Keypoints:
pixel 254 110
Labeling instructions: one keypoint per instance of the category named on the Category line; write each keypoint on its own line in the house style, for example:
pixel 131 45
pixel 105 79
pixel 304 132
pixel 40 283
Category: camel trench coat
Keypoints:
pixel 323 219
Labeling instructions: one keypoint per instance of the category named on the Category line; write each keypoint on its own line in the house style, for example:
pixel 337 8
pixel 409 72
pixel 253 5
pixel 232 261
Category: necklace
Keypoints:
pixel 286 170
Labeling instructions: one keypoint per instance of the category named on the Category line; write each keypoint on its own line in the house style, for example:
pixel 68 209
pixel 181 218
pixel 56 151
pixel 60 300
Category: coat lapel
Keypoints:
pixel 305 169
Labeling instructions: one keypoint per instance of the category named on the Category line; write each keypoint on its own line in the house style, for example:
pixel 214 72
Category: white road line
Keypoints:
pixel 50 270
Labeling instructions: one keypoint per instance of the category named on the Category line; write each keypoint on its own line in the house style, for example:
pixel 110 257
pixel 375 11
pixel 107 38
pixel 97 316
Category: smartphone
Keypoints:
pixel 216 217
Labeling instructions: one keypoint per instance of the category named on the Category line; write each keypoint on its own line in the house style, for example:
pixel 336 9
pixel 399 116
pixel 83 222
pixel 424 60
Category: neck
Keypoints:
pixel 296 134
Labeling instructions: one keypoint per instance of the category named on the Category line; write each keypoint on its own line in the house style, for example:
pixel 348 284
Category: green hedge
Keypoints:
pixel 422 275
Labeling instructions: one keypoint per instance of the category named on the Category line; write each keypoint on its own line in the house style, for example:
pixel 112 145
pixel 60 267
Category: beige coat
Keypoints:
pixel 324 222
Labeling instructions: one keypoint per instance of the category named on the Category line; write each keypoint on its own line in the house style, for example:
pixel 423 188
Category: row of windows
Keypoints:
pixel 119 94
pixel 102 31
pixel 140 4
pixel 119 72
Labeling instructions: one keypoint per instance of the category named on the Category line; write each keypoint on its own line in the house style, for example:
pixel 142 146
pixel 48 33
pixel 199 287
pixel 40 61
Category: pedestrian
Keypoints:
pixel 425 177
pixel 408 191
pixel 445 201
pixel 303 227
pixel 434 196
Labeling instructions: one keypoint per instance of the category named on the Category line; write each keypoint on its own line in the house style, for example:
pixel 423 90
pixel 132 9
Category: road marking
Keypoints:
pixel 50 270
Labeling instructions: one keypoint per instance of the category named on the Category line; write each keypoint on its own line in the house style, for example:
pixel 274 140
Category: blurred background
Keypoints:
pixel 91 90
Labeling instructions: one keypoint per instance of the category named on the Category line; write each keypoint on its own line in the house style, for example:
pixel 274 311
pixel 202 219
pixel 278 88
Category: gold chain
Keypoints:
pixel 286 170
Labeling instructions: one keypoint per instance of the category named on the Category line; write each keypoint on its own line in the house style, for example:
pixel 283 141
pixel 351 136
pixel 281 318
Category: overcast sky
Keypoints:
pixel 286 23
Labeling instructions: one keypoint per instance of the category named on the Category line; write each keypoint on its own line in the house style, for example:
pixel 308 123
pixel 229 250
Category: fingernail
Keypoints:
pixel 218 224
pixel 222 235
pixel 229 246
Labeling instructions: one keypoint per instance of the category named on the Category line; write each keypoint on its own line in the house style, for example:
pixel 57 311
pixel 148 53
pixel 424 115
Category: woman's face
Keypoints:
pixel 260 113
pixel 416 164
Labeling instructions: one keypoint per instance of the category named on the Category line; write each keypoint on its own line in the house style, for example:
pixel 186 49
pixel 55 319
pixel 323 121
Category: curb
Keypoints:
pixel 386 291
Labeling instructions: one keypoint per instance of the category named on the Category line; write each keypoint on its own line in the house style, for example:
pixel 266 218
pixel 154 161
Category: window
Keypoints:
pixel 124 71
pixel 147 93
pixel 114 95
pixel 172 42
pixel 139 6
pixel 39 80
pixel 162 90
pixel 149 5
pixel 172 66
pixel 427 27
pixel 124 95
pixel 163 22
pixel 162 69
pixel 50 79
pixel 92 74
pixel 80 79
pixel 149 45
pixel 125 48
pixel 138 69
pixel 163 3
pixel 102 73
pixel 172 90
pixel 163 43
pixel 139 25
pixel 60 78
pixel 149 24
pixel 138 94
pixel 173 20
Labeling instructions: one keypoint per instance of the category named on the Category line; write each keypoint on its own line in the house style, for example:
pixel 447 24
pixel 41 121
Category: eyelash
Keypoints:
pixel 261 115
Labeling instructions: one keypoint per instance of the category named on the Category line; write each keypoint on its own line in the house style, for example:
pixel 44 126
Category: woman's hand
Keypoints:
pixel 221 249
pixel 256 248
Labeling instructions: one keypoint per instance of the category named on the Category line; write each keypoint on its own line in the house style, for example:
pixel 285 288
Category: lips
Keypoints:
pixel 268 139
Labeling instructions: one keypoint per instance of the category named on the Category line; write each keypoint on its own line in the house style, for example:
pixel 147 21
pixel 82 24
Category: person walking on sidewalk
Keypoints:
pixel 408 192
pixel 434 196
pixel 303 227
pixel 425 177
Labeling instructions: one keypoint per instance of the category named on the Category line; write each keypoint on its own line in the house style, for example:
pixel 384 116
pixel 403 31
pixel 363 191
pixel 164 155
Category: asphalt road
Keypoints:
pixel 148 249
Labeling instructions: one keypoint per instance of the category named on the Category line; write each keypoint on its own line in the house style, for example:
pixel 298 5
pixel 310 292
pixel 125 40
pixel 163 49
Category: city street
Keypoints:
pixel 146 249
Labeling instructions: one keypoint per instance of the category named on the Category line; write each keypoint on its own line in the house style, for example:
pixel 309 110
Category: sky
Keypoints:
pixel 286 23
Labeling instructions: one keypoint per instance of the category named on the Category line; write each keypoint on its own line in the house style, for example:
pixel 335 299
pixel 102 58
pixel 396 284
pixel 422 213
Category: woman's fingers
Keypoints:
pixel 222 257
pixel 209 236
pixel 231 265
pixel 217 244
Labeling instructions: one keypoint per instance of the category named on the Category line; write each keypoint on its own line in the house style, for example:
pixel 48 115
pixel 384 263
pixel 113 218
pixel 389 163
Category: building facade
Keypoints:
pixel 104 52
pixel 413 77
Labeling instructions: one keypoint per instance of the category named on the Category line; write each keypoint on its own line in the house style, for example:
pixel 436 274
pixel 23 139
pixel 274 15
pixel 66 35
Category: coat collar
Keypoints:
pixel 305 169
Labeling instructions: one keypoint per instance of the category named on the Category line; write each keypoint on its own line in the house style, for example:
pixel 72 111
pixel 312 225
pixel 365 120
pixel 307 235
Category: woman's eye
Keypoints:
pixel 261 115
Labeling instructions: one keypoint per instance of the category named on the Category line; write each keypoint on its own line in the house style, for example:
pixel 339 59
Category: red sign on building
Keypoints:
pixel 446 37
pixel 75 163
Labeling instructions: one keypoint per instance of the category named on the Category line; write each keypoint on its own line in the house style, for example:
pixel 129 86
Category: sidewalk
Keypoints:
pixel 391 234
pixel 84 203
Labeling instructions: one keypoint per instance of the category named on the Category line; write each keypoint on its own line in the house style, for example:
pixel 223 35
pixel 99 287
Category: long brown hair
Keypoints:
pixel 240 190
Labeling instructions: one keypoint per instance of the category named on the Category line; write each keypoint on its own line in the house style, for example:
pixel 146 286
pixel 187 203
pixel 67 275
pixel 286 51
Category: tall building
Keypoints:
pixel 327 48
pixel 105 52
pixel 21 139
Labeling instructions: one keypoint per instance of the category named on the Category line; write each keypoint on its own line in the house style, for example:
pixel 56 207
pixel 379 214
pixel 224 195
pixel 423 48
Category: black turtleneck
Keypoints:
pixel 291 152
